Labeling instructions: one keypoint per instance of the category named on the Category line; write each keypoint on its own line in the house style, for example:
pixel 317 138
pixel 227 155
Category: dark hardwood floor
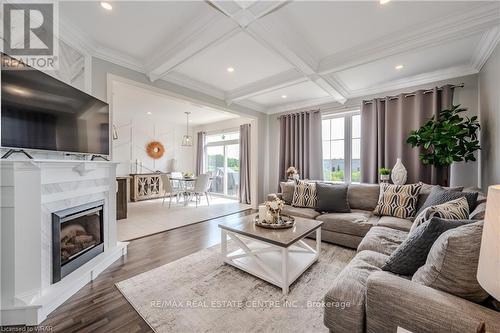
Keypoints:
pixel 100 307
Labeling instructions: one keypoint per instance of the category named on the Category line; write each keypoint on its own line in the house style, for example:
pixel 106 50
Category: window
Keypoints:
pixel 341 148
pixel 222 160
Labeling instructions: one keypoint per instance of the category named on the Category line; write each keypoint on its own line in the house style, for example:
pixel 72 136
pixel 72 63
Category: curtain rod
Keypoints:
pixel 413 94
pixel 297 112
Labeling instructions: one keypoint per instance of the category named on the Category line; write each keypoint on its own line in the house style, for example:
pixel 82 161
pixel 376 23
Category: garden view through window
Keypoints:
pixel 341 137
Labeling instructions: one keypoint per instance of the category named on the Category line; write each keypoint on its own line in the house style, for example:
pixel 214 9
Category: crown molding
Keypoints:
pixel 450 28
pixel 302 104
pixel 187 82
pixel 416 80
pixel 487 45
pixel 275 82
pixel 69 32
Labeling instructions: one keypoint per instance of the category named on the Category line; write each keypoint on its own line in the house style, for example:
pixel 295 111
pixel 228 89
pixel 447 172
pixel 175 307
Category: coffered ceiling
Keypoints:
pixel 275 56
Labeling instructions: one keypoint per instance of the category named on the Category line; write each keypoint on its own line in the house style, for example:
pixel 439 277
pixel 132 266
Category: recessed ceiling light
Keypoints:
pixel 106 5
pixel 383 2
pixel 284 96
pixel 149 112
pixel 398 67
pixel 230 69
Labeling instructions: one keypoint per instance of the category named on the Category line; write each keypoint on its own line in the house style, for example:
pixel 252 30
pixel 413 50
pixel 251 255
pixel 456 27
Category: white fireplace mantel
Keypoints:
pixel 30 190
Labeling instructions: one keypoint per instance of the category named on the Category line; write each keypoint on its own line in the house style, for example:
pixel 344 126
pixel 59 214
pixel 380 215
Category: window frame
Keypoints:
pixel 347 142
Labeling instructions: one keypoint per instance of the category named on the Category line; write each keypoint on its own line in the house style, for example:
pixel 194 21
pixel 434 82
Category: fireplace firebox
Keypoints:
pixel 77 237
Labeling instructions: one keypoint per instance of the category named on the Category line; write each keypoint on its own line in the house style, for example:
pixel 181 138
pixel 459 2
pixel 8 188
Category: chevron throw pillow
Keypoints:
pixel 398 200
pixel 457 209
pixel 305 195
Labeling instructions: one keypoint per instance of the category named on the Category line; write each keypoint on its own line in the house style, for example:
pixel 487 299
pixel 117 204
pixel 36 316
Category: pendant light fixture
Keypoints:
pixel 187 140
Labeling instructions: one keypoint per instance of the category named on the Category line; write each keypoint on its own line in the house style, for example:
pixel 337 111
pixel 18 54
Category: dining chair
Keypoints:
pixel 201 187
pixel 176 183
pixel 169 189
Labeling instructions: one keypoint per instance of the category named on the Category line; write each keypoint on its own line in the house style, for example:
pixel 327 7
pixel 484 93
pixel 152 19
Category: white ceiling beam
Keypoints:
pixel 416 80
pixel 245 16
pixel 205 33
pixel 266 85
pixel 295 56
pixel 446 30
pixel 267 36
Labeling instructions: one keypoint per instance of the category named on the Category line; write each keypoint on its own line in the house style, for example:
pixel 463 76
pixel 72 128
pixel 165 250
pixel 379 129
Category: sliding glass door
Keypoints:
pixel 222 156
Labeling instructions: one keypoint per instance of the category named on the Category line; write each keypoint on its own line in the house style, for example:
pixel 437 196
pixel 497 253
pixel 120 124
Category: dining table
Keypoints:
pixel 184 184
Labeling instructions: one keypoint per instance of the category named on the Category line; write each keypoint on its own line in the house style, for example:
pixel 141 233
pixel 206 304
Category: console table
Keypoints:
pixel 145 186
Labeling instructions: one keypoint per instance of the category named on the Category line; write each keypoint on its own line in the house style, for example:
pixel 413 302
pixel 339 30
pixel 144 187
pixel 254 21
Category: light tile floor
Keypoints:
pixel 149 217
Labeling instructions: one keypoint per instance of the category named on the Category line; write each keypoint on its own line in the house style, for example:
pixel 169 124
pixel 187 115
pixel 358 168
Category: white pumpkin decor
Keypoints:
pixel 399 173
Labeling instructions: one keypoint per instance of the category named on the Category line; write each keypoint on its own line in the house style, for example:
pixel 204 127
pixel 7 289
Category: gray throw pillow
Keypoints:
pixel 412 253
pixel 426 189
pixel 332 198
pixel 451 265
pixel 287 189
pixel 440 195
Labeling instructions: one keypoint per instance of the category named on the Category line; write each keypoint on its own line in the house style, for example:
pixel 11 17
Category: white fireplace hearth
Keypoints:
pixel 30 192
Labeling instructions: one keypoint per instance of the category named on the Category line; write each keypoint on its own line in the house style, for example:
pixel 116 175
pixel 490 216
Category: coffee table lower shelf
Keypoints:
pixel 280 266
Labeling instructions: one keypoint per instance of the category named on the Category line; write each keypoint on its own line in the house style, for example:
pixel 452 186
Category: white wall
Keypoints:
pixel 489 101
pixel 136 129
pixel 461 173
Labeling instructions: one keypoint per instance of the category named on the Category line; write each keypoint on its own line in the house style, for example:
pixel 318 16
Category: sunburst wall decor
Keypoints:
pixel 155 150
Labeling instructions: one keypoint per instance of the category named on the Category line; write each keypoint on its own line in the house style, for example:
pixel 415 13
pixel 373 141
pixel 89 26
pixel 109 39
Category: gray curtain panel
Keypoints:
pixel 386 124
pixel 200 153
pixel 245 131
pixel 300 144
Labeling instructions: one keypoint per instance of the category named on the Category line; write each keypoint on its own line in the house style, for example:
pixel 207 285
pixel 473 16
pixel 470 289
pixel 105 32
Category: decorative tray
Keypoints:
pixel 284 222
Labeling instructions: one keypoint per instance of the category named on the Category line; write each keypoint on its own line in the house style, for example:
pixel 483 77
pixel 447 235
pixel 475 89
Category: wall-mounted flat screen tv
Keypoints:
pixel 39 112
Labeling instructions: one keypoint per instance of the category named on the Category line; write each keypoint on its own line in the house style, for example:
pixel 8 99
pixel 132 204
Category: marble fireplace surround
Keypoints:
pixel 31 190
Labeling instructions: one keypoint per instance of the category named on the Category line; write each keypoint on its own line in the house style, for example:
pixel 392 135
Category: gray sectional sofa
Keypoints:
pixel 380 301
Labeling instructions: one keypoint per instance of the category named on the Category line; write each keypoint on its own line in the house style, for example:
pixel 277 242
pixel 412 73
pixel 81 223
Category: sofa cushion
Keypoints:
pixel 332 198
pixel 454 210
pixel 305 195
pixel 357 222
pixel 412 253
pixel 452 263
pixel 440 195
pixel 426 189
pixel 287 190
pixel 382 240
pixel 307 213
pixel 394 223
pixel 398 200
pixel 478 213
pixel 345 301
pixel 363 196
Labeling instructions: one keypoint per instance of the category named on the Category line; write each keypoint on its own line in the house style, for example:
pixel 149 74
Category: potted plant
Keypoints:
pixel 446 139
pixel 385 174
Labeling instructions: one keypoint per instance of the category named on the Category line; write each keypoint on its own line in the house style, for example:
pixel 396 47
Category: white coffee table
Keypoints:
pixel 276 256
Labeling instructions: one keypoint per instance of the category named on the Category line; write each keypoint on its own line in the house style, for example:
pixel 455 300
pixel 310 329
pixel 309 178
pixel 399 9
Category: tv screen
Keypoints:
pixel 40 112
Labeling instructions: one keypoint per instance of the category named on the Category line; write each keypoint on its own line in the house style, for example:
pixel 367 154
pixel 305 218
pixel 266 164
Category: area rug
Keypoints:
pixel 199 293
pixel 151 216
